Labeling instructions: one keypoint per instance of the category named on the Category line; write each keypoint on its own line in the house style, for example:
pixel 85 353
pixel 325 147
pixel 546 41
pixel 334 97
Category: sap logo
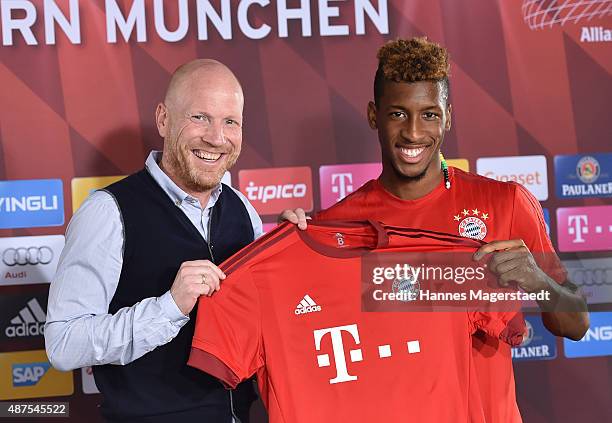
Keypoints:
pixel 32 203
pixel 602 333
pixel 274 192
pixel 355 355
pixel 29 374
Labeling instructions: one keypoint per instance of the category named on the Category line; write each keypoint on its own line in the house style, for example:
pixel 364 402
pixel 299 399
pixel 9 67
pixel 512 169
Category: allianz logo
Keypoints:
pixel 29 203
pixel 30 321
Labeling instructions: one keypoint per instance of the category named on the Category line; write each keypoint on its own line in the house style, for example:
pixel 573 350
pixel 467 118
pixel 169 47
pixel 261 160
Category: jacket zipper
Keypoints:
pixel 235 418
pixel 209 243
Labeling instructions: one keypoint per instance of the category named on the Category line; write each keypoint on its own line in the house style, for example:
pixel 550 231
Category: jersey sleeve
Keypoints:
pixel 528 224
pixel 227 340
pixel 506 326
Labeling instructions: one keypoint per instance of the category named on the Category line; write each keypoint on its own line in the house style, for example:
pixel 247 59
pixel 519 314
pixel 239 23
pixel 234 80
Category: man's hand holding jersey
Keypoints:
pixel 564 313
pixel 195 278
pixel 511 261
pixel 297 217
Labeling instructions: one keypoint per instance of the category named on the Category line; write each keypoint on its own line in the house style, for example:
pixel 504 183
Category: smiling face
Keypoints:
pixel 411 119
pixel 201 123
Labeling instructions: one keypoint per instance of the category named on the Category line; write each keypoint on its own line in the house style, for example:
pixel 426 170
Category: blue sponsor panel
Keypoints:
pixel 547 220
pixel 583 176
pixel 538 343
pixel 597 341
pixel 31 203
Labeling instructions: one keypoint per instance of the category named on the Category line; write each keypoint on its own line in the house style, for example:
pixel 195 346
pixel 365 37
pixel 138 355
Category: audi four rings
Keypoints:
pixel 22 256
pixel 590 276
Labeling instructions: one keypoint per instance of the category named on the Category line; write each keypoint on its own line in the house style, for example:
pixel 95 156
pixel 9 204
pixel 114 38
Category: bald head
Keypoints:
pixel 200 121
pixel 198 76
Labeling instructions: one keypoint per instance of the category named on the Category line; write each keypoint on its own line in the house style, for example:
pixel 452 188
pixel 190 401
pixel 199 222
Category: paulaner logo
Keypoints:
pixel 538 343
pixel 31 203
pixel 580 176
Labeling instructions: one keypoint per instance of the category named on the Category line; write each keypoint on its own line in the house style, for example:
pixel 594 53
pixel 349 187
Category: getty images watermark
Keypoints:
pixel 438 282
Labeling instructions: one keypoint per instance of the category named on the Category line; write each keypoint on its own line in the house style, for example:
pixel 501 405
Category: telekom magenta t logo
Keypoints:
pixel 342 374
pixel 578 226
pixel 342 184
pixel 338 181
pixel 584 228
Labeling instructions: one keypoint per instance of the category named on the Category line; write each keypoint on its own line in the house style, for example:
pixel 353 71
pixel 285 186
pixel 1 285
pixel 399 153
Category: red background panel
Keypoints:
pixel 88 110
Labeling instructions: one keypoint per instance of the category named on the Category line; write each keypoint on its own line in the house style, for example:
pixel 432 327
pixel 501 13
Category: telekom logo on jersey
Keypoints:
pixel 355 355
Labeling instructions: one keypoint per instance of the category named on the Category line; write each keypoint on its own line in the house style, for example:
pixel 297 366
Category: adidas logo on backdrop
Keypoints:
pixel 29 322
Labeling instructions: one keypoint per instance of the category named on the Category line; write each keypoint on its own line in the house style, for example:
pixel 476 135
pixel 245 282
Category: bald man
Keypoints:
pixel 140 252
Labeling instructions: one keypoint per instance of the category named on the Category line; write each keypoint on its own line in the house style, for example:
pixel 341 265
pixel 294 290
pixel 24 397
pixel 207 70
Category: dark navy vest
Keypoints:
pixel 159 386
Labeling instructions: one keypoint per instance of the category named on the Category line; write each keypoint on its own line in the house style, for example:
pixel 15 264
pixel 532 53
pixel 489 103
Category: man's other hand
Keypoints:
pixel 297 217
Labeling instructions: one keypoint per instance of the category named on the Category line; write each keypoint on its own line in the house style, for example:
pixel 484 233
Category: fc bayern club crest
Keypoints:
pixel 408 287
pixel 472 223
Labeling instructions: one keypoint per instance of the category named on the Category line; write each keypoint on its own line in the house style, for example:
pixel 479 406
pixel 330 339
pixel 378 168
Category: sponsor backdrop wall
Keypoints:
pixel 530 89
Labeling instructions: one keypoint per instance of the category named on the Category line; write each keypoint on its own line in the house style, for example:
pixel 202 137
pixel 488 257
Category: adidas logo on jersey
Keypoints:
pixel 29 322
pixel 307 305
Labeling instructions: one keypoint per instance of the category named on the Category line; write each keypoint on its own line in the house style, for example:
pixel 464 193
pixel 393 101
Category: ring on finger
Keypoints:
pixel 204 278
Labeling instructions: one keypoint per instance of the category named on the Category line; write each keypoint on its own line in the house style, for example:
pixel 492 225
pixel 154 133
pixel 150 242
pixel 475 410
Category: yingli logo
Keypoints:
pixel 31 203
pixel 273 190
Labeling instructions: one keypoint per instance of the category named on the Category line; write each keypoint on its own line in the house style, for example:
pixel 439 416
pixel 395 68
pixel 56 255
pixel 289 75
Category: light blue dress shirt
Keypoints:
pixel 79 331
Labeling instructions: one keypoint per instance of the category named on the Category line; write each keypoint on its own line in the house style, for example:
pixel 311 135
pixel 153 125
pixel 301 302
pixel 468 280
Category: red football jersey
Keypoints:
pixel 290 311
pixel 474 207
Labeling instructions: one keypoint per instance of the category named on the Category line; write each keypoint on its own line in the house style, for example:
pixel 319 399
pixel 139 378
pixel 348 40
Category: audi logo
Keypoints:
pixel 23 256
pixel 590 277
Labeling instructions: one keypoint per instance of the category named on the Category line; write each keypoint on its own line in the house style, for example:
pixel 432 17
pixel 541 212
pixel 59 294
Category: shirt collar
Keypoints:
pixel 176 194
